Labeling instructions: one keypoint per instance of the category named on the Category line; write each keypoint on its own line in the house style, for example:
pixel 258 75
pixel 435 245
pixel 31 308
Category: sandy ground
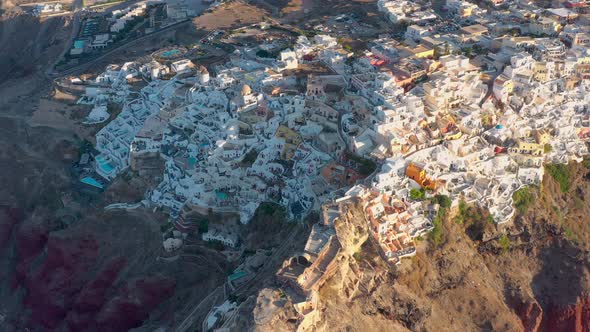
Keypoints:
pixel 230 15
pixel 51 114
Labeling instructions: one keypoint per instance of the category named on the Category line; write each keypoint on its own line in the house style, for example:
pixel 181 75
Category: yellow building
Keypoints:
pixel 292 141
pixel 453 135
pixel 290 136
pixel 542 136
pixel 422 51
pixel 418 174
pixel 540 71
pixel 530 148
pixel 466 9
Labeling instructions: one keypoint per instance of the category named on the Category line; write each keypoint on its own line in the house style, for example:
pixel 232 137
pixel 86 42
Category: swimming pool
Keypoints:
pixel 237 275
pixel 221 195
pixel 170 53
pixel 104 165
pixel 92 182
pixel 79 44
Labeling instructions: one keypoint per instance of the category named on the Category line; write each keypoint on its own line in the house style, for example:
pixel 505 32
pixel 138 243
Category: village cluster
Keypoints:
pixel 471 113
pixel 101 30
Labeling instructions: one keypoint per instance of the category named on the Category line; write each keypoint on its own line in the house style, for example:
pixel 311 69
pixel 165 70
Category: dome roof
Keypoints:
pixel 246 90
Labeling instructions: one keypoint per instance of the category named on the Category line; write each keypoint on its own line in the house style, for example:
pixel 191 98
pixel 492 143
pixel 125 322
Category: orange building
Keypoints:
pixel 418 174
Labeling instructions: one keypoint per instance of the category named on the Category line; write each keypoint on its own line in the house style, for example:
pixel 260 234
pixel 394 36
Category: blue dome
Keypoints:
pixel 499 126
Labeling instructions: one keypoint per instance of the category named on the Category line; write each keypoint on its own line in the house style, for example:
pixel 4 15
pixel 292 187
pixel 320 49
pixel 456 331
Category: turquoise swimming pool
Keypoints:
pixel 170 53
pixel 104 165
pixel 92 182
pixel 237 275
pixel 79 44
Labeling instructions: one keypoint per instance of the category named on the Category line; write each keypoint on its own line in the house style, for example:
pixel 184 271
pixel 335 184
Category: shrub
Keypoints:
pixel 365 166
pixel 418 194
pixel 437 236
pixel 249 158
pixel 490 219
pixel 462 215
pixel 265 54
pixel 203 226
pixel 443 200
pixel 522 199
pixel 560 173
pixel 547 148
pixel 504 242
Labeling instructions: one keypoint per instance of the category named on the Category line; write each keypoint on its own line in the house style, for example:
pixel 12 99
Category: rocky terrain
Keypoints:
pixel 68 265
pixel 534 279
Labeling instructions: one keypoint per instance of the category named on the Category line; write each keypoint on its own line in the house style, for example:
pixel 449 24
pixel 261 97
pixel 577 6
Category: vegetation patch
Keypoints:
pixel 418 194
pixel 547 148
pixel 504 243
pixel 443 200
pixel 560 173
pixel 522 198
pixel 249 158
pixel 462 214
pixel 366 166
pixel 437 235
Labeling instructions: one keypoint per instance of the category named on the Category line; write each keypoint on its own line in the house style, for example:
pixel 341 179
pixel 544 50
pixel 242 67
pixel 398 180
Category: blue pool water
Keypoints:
pixel 221 195
pixel 104 165
pixel 79 44
pixel 170 53
pixel 92 182
pixel 237 275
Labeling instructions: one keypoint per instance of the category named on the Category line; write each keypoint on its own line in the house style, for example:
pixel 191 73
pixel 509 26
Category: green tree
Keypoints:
pixel 462 215
pixel 547 148
pixel 437 235
pixel 418 194
pixel 522 199
pixel 443 200
pixel 504 242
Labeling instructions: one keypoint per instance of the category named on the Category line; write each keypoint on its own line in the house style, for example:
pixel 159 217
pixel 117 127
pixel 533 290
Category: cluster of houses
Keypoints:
pixel 229 141
pixel 494 109
pixel 47 8
pixel 100 30
pixel 472 114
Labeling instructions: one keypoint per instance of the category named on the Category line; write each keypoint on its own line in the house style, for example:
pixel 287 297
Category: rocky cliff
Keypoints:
pixel 536 278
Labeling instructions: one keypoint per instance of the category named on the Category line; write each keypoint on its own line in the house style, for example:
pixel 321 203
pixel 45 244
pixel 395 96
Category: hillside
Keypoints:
pixel 534 279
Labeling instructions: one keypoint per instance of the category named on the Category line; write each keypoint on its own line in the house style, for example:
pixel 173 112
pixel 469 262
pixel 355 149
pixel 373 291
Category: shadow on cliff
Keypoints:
pixel 560 286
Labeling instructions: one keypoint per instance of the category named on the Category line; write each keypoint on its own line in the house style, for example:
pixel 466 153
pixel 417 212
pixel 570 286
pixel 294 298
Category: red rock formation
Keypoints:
pixel 65 287
pixel 51 291
pixel 30 241
pixel 531 315
pixel 93 296
pixel 571 318
pixel 128 310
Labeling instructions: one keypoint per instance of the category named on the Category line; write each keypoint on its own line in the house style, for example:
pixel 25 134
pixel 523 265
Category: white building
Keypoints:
pixel 182 66
pixel 172 244
pixel 215 235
